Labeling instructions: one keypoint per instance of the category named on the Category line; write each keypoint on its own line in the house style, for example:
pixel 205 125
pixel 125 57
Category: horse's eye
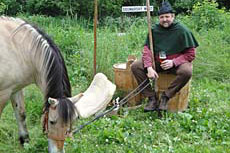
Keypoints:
pixel 53 122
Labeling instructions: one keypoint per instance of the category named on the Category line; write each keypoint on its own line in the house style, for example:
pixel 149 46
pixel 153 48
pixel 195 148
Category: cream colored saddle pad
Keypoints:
pixel 96 97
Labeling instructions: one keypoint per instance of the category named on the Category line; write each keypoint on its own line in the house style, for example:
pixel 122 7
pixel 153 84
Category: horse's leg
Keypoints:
pixel 2 106
pixel 4 97
pixel 17 100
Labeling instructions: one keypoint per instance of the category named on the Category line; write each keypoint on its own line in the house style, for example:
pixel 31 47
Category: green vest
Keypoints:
pixel 172 40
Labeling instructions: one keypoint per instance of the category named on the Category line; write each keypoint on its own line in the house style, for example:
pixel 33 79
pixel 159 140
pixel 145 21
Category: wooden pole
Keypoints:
pixel 150 31
pixel 95 37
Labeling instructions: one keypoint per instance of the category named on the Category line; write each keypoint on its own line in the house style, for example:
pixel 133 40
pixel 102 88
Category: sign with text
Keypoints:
pixel 136 8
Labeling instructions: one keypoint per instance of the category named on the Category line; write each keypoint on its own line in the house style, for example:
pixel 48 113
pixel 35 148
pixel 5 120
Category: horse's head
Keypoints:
pixel 57 120
pixel 60 113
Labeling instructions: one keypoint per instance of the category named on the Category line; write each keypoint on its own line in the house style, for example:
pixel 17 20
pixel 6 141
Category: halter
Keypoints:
pixel 45 126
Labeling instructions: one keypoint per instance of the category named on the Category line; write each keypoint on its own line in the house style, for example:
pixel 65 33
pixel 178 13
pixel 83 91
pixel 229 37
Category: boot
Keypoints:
pixel 164 102
pixel 152 104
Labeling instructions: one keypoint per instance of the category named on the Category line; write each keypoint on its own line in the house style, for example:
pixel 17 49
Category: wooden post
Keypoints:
pixel 150 32
pixel 95 36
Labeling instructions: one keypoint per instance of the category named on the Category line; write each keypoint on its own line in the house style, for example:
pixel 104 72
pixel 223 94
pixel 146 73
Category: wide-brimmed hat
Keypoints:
pixel 165 8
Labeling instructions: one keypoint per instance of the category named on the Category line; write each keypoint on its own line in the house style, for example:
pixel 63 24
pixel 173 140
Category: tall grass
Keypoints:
pixel 203 127
pixel 76 41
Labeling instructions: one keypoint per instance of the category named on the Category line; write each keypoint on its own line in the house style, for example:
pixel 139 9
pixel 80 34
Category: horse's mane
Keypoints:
pixel 57 68
pixel 57 84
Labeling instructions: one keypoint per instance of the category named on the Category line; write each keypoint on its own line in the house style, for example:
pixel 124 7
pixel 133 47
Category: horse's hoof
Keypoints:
pixel 24 139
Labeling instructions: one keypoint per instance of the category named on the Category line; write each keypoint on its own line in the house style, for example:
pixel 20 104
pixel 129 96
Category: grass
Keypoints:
pixel 202 128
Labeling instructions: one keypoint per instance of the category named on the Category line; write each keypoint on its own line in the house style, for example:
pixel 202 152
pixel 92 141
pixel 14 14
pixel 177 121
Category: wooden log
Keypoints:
pixel 179 102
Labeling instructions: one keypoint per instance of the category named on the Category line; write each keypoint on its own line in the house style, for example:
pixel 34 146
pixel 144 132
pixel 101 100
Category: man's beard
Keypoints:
pixel 166 24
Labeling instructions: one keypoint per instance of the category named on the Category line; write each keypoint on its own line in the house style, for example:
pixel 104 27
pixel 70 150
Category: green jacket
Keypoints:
pixel 172 40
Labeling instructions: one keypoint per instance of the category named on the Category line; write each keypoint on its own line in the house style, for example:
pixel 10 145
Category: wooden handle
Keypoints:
pixel 95 37
pixel 150 32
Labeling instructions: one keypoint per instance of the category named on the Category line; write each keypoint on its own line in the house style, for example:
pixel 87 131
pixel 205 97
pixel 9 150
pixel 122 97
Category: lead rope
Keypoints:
pixel 131 95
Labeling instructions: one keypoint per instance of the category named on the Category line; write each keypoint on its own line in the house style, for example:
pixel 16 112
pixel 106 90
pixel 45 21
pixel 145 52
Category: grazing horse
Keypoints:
pixel 28 55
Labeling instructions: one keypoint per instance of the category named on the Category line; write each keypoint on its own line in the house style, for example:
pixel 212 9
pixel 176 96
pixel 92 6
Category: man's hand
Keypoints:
pixel 167 64
pixel 152 74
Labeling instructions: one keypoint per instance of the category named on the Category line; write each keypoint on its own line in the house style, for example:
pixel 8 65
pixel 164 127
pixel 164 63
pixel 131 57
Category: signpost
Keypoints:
pixel 136 8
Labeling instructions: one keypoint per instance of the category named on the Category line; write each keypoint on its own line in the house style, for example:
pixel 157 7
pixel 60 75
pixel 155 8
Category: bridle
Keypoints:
pixel 45 122
pixel 45 126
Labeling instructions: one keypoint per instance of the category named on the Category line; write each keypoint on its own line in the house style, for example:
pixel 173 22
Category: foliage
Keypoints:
pixel 12 7
pixel 206 15
pixel 68 7
pixel 79 8
pixel 184 6
pixel 63 7
pixel 111 7
pixel 42 7
pixel 2 7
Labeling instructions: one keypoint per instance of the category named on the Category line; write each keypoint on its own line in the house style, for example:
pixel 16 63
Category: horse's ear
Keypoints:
pixel 52 101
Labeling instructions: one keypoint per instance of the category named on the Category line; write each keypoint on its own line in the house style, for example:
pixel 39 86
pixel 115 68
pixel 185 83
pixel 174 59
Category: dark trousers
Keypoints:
pixel 183 73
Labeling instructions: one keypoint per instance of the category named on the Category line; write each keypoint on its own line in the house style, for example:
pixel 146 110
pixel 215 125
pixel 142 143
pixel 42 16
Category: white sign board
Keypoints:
pixel 135 8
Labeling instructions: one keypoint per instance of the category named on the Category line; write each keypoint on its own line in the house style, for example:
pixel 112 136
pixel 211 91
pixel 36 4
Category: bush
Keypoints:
pixel 42 7
pixel 206 15
pixel 2 7
pixel 184 6
pixel 85 9
pixel 11 7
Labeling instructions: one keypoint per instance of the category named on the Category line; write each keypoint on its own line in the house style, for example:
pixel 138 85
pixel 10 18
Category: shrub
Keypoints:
pixel 184 6
pixel 2 7
pixel 11 7
pixel 42 7
pixel 206 15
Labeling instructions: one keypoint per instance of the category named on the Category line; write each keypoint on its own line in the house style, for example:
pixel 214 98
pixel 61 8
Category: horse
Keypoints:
pixel 29 56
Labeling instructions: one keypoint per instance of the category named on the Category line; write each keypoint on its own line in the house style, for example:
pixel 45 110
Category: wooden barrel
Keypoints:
pixel 125 80
pixel 179 102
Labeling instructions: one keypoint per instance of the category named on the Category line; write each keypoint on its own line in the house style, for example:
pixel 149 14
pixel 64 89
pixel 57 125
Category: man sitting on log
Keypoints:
pixel 174 49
